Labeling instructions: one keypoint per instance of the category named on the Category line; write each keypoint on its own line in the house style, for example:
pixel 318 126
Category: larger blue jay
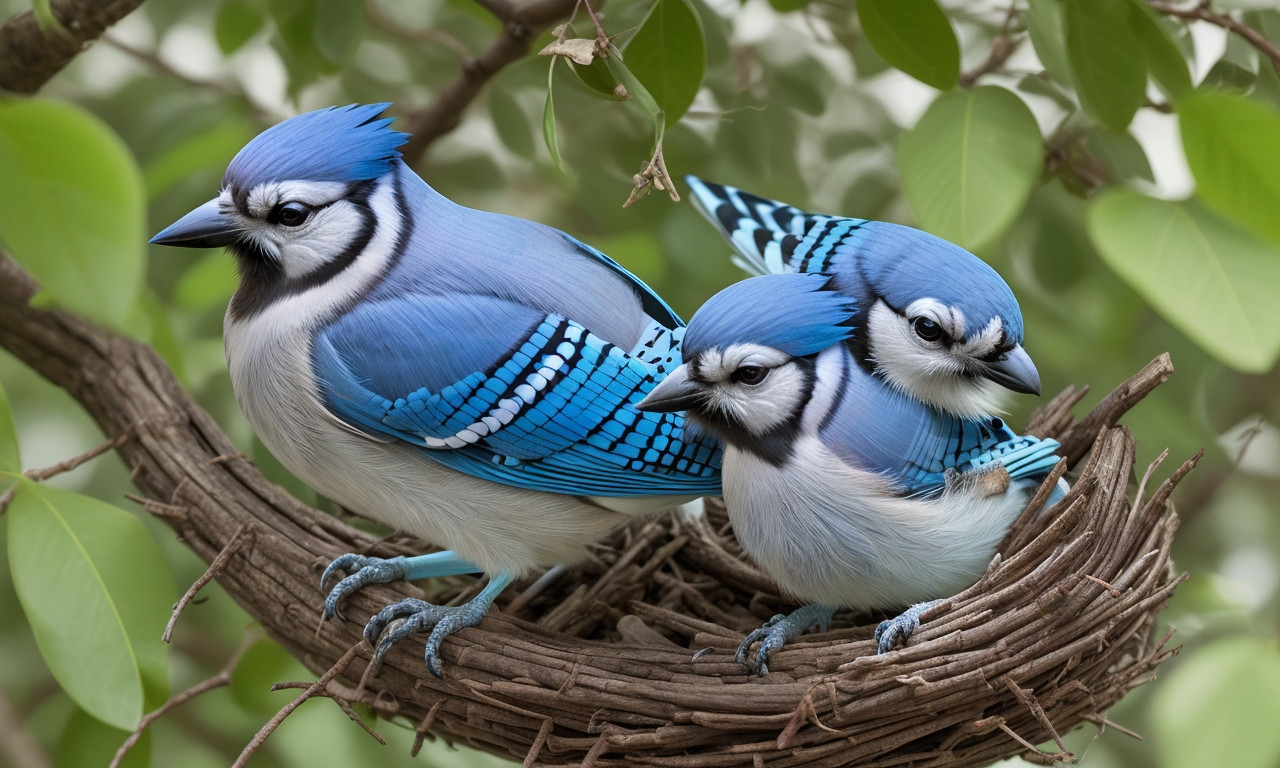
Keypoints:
pixel 464 376
pixel 845 488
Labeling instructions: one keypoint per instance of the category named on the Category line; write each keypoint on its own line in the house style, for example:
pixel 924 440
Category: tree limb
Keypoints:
pixel 1201 12
pixel 29 55
pixel 521 23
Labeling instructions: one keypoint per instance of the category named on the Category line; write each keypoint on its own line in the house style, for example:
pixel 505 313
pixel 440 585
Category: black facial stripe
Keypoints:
pixel 263 280
pixel 778 444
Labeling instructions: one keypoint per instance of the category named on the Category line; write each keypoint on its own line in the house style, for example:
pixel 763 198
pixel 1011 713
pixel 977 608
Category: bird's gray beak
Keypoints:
pixel 677 392
pixel 205 227
pixel 1015 371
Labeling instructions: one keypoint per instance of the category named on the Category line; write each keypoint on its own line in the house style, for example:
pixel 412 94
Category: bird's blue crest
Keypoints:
pixel 797 313
pixel 345 144
pixel 904 264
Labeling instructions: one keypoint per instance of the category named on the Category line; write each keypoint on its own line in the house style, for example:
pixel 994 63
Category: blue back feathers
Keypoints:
pixel 343 144
pixel 796 313
pixel 868 259
pixel 903 264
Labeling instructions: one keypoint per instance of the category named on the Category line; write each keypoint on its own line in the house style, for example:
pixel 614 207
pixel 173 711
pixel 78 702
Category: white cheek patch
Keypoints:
pixel 322 239
pixel 761 407
pixel 933 374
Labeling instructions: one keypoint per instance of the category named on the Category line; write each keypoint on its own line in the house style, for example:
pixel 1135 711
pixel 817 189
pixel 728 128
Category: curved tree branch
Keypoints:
pixel 521 23
pixel 29 55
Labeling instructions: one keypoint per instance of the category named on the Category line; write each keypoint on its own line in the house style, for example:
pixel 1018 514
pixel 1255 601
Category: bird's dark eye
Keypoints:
pixel 290 214
pixel 927 329
pixel 750 374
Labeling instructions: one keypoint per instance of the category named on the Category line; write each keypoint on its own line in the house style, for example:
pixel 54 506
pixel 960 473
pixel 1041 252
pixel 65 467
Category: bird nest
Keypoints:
pixel 628 658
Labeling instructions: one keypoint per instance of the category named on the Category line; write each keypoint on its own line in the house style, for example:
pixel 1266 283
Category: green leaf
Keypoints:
pixel 237 21
pixel 339 24
pixel 970 163
pixel 1233 148
pixel 71 207
pixel 669 55
pixel 1219 707
pixel 1109 71
pixel 97 591
pixel 636 90
pixel 1119 153
pixel 86 741
pixel 510 121
pixel 916 37
pixel 1168 67
pixel 1048 36
pixel 10 458
pixel 597 77
pixel 1210 278
pixel 549 121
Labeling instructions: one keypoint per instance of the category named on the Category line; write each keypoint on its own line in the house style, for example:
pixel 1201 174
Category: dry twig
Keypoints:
pixel 223 677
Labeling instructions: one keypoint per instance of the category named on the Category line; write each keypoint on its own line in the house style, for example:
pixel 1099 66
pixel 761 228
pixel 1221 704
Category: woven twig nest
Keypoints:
pixel 628 659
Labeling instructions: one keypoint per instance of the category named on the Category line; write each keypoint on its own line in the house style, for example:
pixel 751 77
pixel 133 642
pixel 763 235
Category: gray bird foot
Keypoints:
pixel 986 481
pixel 900 627
pixel 399 620
pixel 362 571
pixel 781 628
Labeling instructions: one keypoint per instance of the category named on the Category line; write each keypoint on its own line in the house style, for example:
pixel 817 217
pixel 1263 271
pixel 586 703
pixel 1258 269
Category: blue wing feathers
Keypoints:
pixel 551 412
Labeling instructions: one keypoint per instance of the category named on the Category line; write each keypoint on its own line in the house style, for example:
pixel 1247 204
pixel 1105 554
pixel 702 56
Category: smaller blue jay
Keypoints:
pixel 931 319
pixel 846 490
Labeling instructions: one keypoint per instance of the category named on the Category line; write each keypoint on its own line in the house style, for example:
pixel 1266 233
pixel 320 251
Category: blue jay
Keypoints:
pixel 843 487
pixel 930 319
pixel 464 376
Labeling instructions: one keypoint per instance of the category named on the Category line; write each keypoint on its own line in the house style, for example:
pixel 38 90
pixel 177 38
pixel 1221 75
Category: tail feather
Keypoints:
pixel 770 237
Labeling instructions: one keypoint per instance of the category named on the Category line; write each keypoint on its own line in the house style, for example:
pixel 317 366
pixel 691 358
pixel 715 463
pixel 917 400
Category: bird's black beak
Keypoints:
pixel 1015 372
pixel 677 392
pixel 205 227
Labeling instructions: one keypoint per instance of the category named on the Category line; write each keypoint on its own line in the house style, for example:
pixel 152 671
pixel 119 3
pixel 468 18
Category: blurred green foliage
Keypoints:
pixel 1117 164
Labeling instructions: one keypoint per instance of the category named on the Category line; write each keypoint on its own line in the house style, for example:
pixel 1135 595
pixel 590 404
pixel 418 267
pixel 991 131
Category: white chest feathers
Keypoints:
pixel 832 534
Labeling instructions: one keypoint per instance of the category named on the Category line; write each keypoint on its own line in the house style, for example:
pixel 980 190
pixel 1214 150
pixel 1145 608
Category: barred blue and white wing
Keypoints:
pixel 549 407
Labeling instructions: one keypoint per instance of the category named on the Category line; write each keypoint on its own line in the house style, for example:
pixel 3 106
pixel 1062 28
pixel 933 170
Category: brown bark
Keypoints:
pixel 29 55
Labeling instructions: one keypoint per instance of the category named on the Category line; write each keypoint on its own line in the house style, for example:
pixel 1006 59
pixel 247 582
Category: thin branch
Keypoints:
pixel 342 703
pixel 29 55
pixel 287 709
pixel 153 60
pixel 223 677
pixel 242 536
pixel 1002 47
pixel 520 25
pixel 1201 12
pixel 429 35
pixel 40 475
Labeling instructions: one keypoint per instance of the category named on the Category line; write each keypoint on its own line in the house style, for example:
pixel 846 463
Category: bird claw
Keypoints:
pixel 362 571
pixel 900 627
pixel 775 632
pixel 399 620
